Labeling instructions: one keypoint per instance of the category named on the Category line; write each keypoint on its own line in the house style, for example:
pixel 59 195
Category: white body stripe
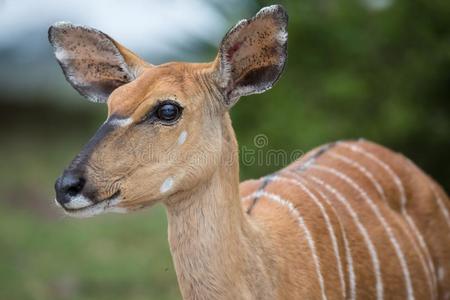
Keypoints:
pixel 430 271
pixel 380 217
pixel 294 212
pixel 443 209
pixel 441 273
pixel 372 251
pixel 328 224
pixel 363 170
pixel 348 253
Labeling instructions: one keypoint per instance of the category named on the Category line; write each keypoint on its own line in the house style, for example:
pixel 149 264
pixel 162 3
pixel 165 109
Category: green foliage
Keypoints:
pixel 353 71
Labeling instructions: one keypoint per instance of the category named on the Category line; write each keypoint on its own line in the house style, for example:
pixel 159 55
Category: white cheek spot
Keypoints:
pixel 167 185
pixel 182 138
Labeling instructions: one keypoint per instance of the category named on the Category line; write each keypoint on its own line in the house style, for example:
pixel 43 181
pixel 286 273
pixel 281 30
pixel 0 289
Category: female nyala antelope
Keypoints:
pixel 349 220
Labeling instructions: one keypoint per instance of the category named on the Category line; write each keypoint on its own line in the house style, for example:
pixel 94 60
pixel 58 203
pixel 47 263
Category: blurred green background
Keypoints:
pixel 378 69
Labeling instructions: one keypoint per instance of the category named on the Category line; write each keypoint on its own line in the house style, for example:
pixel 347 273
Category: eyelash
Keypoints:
pixel 152 115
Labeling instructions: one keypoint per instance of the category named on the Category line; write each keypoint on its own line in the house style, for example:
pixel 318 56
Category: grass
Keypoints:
pixel 107 257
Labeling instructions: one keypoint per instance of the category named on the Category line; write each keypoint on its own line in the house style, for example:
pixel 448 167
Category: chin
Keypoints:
pixel 110 205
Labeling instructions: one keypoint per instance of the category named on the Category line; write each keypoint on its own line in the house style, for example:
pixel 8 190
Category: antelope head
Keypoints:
pixel 168 127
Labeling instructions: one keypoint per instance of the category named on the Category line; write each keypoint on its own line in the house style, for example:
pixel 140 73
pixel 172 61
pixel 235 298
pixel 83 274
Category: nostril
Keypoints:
pixel 69 185
pixel 76 187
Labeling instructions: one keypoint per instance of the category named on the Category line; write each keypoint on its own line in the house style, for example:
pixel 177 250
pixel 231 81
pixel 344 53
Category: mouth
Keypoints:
pixel 109 204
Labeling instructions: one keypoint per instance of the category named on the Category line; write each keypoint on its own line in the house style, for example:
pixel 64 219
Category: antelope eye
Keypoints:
pixel 168 112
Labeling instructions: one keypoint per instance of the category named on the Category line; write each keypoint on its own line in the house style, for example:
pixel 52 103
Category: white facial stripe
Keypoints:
pixel 182 138
pixel 120 122
pixel 167 185
pixel 98 208
pixel 77 202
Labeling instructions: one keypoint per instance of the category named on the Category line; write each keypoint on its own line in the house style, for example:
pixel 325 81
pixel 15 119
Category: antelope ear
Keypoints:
pixel 93 63
pixel 252 54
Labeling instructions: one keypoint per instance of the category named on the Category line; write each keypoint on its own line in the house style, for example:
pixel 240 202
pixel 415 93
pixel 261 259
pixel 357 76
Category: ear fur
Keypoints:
pixel 252 54
pixel 93 63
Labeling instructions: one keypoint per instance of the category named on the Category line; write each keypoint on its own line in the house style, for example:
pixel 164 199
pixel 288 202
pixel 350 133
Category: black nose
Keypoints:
pixel 67 186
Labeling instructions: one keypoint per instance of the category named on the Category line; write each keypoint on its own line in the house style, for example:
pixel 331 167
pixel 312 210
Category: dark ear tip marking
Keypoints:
pixel 63 27
pixel 56 28
pixel 275 10
pixel 50 34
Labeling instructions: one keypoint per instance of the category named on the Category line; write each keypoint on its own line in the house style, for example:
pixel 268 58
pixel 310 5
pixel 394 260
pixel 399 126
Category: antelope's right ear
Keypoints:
pixel 252 54
pixel 93 63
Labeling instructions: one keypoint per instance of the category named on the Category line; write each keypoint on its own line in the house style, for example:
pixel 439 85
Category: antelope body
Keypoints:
pixel 349 220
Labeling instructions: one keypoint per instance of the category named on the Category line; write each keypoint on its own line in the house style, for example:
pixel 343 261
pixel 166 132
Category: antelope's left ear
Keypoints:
pixel 252 54
pixel 93 63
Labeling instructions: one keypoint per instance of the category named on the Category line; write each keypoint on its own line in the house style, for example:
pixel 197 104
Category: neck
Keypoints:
pixel 216 249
